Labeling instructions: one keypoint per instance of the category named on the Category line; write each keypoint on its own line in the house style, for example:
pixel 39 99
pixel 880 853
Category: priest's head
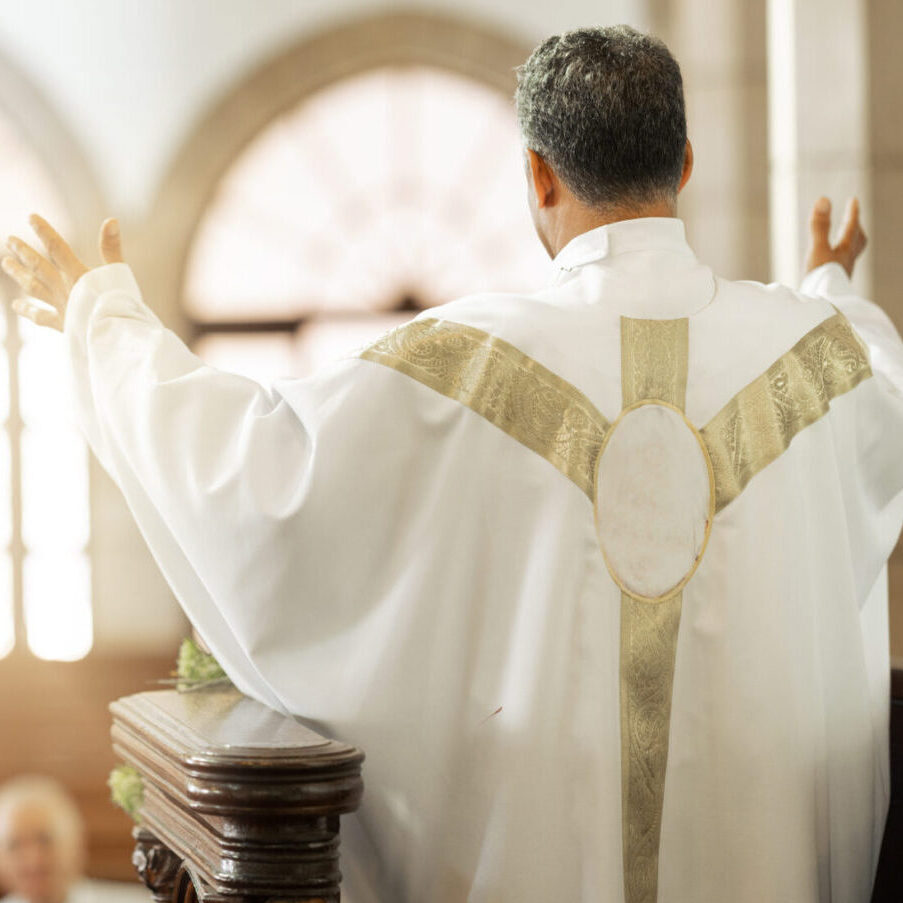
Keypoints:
pixel 601 113
pixel 41 840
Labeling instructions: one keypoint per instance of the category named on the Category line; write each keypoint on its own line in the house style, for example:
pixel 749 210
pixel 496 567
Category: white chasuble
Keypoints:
pixel 595 577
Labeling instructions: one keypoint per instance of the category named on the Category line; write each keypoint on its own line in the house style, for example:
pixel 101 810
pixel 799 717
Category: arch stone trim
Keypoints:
pixel 49 136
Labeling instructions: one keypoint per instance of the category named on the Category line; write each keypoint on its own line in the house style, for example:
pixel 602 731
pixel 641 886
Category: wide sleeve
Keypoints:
pixel 218 472
pixel 885 346
pixel 869 438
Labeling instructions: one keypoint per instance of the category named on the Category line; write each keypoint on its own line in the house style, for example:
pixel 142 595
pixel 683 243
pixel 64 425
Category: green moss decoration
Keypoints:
pixel 126 789
pixel 196 669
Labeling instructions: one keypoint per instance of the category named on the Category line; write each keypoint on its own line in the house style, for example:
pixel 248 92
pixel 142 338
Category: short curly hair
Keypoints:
pixel 605 108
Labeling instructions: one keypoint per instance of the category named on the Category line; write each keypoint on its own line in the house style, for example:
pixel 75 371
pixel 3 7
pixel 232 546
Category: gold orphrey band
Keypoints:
pixel 654 361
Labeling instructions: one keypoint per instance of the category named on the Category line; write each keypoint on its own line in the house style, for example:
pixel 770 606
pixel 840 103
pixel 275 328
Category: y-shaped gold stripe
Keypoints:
pixel 757 425
pixel 501 383
pixel 654 362
pixel 554 419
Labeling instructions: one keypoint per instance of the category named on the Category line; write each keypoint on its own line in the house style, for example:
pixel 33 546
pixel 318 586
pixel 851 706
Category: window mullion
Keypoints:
pixel 14 428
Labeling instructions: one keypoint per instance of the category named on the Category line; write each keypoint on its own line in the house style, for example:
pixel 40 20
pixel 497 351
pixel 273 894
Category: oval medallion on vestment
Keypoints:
pixel 655 499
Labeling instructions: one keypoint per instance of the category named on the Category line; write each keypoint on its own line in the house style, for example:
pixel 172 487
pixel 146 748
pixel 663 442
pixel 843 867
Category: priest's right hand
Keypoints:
pixel 50 279
pixel 852 238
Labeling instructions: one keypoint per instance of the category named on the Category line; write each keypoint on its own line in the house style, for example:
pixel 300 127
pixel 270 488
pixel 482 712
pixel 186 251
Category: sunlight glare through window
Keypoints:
pixel 54 478
pixel 58 619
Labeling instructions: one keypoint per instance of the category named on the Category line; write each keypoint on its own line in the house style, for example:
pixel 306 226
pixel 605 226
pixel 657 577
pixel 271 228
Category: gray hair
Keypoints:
pixel 605 108
pixel 28 790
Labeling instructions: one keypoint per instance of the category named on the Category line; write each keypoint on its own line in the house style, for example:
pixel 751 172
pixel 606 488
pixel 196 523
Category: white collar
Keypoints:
pixel 649 233
pixel 648 268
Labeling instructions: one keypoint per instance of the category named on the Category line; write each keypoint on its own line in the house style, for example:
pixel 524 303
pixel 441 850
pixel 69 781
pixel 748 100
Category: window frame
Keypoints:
pixel 45 134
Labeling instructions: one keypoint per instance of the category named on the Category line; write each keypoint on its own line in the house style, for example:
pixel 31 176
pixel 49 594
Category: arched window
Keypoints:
pixel 388 178
pixel 389 192
pixel 45 572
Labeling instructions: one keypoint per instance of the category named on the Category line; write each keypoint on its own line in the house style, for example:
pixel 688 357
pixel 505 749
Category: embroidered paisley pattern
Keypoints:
pixel 648 650
pixel 758 424
pixel 652 365
pixel 499 382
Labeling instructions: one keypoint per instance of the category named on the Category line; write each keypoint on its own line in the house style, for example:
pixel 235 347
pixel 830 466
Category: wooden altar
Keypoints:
pixel 238 803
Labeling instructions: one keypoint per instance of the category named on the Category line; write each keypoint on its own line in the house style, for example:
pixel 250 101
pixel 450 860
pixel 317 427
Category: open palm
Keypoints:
pixel 50 278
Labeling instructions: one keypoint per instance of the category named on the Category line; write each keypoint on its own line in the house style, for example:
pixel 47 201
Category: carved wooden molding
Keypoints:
pixel 156 864
pixel 240 803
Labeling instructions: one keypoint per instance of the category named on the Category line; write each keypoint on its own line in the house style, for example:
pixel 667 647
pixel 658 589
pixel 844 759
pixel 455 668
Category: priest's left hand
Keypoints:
pixel 50 279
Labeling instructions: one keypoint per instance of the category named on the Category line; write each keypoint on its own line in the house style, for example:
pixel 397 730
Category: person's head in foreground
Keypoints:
pixel 601 114
pixel 41 840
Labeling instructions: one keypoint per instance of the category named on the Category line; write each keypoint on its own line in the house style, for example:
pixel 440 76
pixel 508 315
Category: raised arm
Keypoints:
pixel 871 449
pixel 217 470
pixel 829 268
pixel 206 460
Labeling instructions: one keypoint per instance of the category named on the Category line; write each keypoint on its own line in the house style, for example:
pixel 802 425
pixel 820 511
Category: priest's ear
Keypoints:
pixel 688 166
pixel 542 179
pixel 110 242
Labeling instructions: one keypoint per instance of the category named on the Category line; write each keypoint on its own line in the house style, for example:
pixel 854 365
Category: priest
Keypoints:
pixel 595 576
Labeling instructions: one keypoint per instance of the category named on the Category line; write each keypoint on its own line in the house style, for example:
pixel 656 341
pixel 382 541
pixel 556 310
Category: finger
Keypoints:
pixel 37 263
pixel 28 282
pixel 39 315
pixel 851 228
pixel 820 223
pixel 110 242
pixel 57 249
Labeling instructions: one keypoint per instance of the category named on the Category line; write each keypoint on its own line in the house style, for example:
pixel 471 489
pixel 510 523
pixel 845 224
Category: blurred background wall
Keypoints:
pixel 294 177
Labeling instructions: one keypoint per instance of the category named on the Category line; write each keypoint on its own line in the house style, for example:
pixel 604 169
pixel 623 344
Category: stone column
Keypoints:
pixel 722 54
